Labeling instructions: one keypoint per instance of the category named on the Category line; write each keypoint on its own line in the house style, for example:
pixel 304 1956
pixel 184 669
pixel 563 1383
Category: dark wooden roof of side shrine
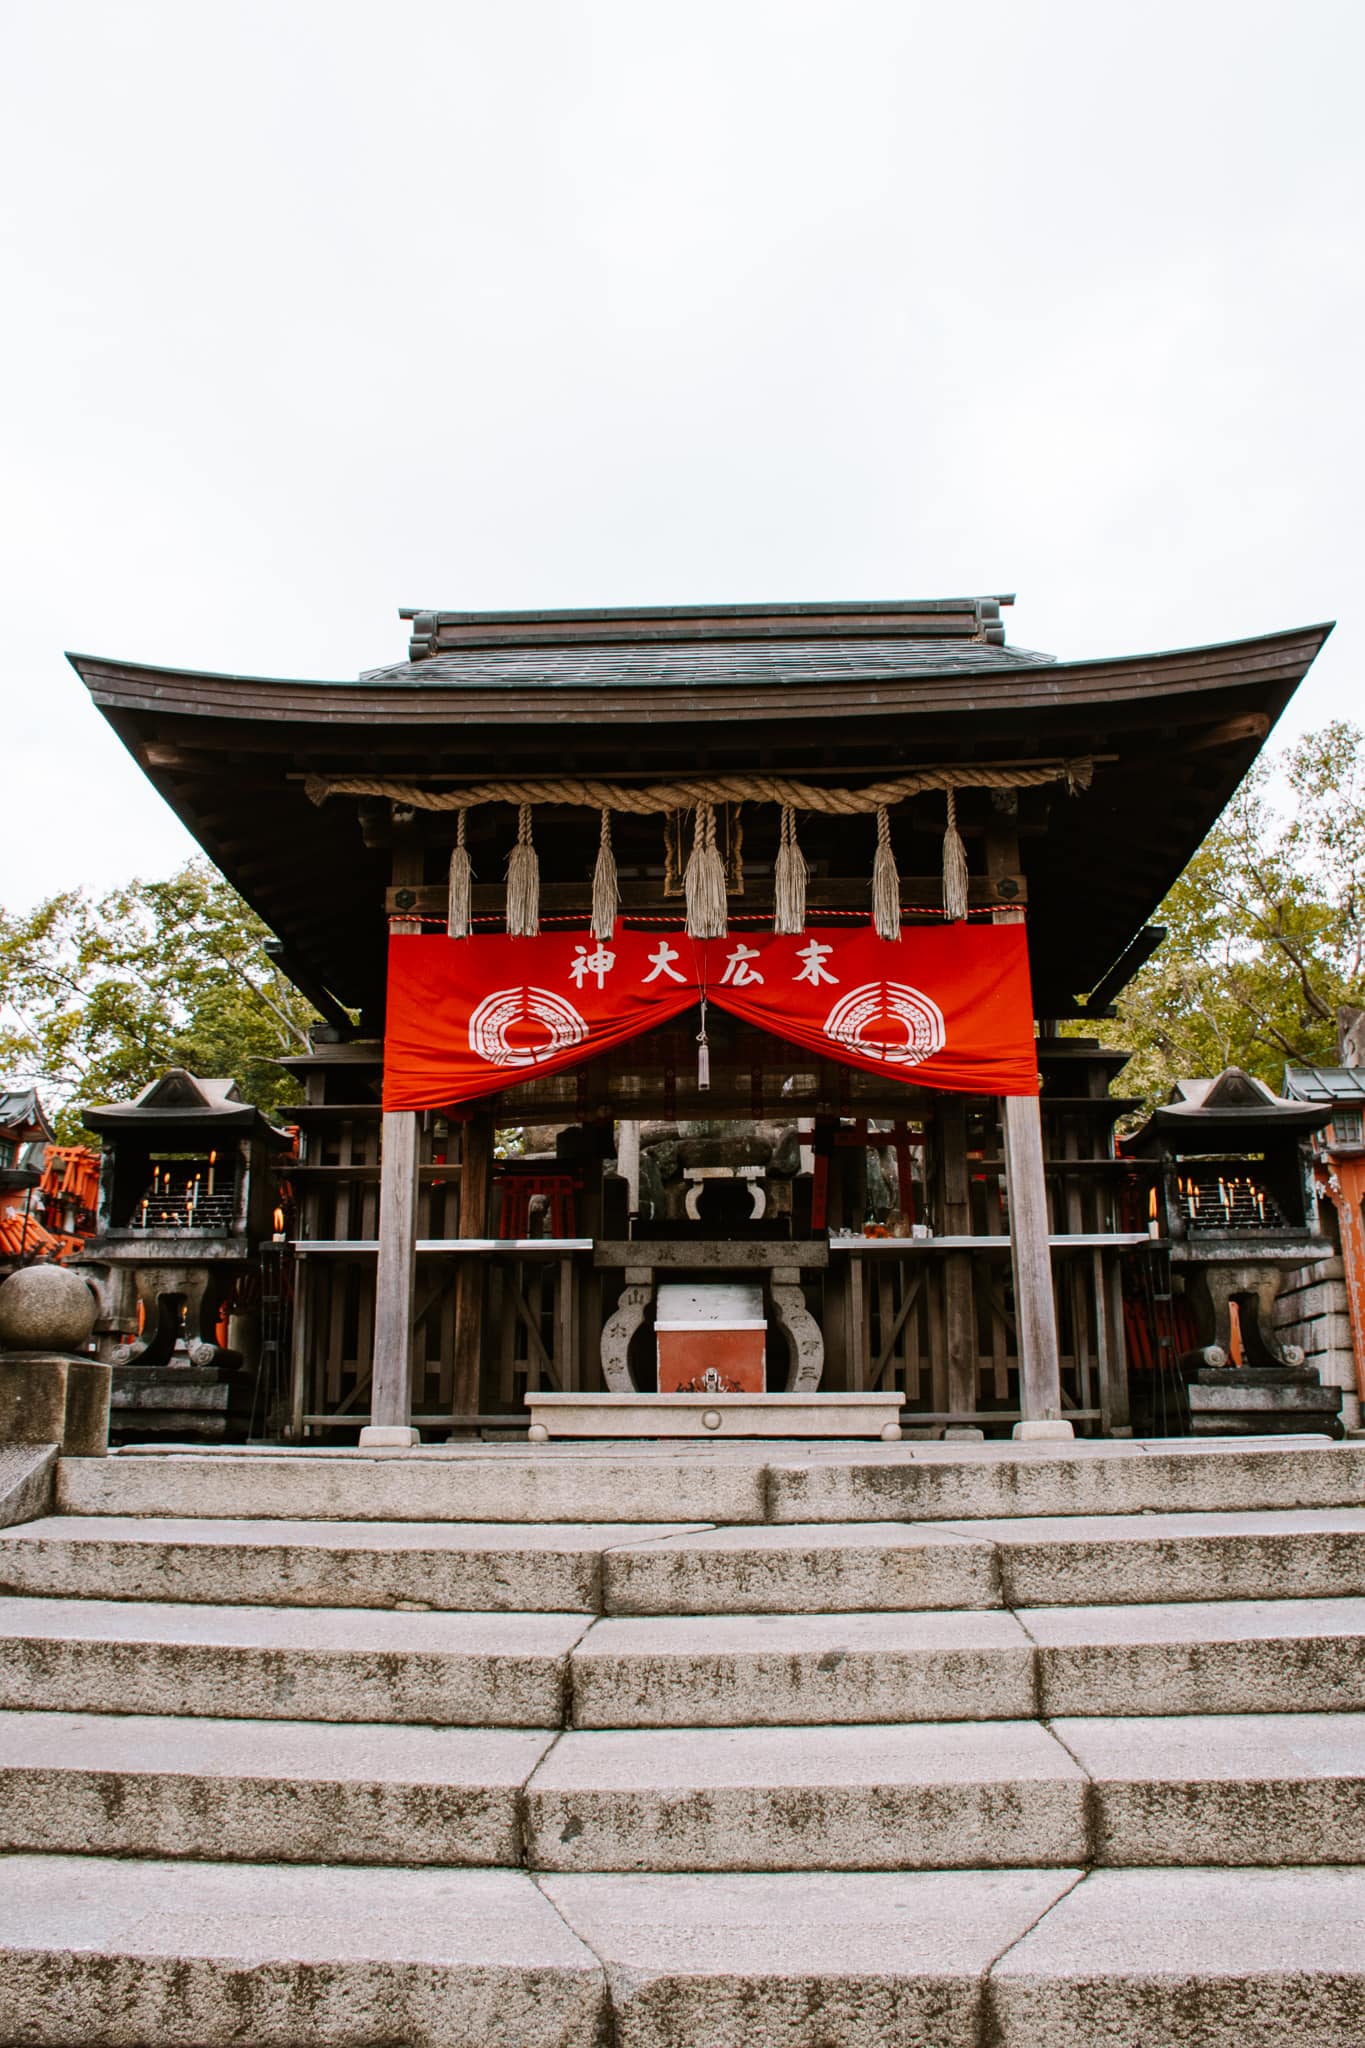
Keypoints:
pixel 838 694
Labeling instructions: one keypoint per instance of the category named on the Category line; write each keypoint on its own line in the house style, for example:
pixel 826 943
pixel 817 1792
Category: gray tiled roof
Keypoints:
pixel 1325 1084
pixel 708 661
pixel 21 1110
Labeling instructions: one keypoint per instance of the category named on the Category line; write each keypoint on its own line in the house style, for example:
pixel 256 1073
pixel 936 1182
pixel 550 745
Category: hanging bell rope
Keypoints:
pixel 459 902
pixel 789 878
pixel 715 789
pixel 523 881
pixel 704 880
pixel 886 882
pixel 954 866
pixel 606 894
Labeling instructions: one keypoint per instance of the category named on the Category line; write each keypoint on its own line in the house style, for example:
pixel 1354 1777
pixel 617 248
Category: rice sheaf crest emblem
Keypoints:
pixel 887 1020
pixel 523 1027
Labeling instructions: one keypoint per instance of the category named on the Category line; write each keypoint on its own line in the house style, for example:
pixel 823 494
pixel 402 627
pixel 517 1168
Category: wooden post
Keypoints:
pixel 958 1293
pixel 476 1184
pixel 628 1159
pixel 1035 1310
pixel 1040 1379
pixel 391 1384
pixel 396 1277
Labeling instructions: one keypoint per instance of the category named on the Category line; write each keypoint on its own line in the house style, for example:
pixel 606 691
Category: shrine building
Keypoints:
pixel 692 983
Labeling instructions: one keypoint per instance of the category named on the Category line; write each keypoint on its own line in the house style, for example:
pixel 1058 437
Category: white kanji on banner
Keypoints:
pixel 599 963
pixel 738 970
pixel 815 971
pixel 662 963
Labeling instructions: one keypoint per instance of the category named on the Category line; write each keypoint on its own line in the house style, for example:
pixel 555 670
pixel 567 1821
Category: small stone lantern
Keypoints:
pixel 50 1391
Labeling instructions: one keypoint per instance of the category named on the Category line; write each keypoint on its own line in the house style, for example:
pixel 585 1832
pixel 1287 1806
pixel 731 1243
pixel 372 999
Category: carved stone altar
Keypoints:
pixel 639 1262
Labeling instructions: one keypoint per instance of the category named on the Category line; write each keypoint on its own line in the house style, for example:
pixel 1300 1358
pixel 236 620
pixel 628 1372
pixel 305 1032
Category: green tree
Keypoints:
pixel 99 995
pixel 1266 931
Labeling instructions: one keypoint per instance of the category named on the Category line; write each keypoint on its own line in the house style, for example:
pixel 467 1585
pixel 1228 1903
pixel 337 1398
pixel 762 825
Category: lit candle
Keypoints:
pixel 144 1212
pixel 213 1161
pixel 279 1226
pixel 1153 1227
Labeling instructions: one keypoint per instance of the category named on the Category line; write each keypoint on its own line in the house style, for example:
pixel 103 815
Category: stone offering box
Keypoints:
pixel 711 1337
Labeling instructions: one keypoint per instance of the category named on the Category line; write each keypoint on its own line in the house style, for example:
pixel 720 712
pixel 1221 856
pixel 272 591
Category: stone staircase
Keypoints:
pixel 676 1747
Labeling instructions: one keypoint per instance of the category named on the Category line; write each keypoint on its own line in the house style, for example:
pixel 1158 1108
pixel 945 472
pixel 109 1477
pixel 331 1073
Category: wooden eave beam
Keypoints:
pixel 1275 661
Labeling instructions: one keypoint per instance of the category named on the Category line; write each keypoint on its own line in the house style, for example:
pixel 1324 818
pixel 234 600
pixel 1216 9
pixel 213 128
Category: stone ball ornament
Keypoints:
pixel 45 1308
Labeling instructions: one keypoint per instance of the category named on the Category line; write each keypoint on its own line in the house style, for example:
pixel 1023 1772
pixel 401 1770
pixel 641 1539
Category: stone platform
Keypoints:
pixel 686 1746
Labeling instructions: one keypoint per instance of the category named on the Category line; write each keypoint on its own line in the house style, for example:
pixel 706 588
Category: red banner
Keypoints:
pixel 944 1006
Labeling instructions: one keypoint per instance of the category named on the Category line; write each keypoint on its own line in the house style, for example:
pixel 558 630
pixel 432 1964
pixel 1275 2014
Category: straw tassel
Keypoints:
pixel 704 880
pixel 954 866
pixel 460 899
pixel 605 892
pixel 523 881
pixel 886 882
pixel 789 878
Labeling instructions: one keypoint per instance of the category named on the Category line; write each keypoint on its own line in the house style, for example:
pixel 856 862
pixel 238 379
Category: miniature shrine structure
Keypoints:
pixel 25 1134
pixel 189 1192
pixel 1238 1220
pixel 1326 1315
pixel 658 944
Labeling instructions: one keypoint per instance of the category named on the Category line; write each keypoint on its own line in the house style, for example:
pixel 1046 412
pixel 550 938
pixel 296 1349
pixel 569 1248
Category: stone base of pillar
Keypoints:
pixel 50 1397
pixel 1050 1432
pixel 383 1436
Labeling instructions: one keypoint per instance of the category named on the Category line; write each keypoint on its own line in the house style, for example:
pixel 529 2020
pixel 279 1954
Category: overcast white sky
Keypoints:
pixel 312 310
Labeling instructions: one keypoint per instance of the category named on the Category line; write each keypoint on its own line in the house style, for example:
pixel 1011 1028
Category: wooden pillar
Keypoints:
pixel 958 1296
pixel 1040 1378
pixel 391 1381
pixel 476 1186
pixel 1035 1310
pixel 396 1278
pixel 628 1159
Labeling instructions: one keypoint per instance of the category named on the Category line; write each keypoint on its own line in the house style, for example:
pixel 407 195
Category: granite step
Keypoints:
pixel 280 1791
pixel 1262 1789
pixel 840 1567
pixel 101 1953
pixel 665 1569
pixel 1215 1657
pixel 552 1567
pixel 703 1482
pixel 97 1953
pixel 875 1959
pixel 1200 1958
pixel 477 1483
pixel 1019 1959
pixel 1237 1789
pixel 283 1664
pixel 834 1568
pixel 746 1670
pixel 1075 1560
pixel 957 1482
pixel 730 1670
pixel 928 1795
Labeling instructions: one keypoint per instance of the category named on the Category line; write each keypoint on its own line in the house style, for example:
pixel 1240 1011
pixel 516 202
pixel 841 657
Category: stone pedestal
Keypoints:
pixel 51 1397
pixel 1262 1401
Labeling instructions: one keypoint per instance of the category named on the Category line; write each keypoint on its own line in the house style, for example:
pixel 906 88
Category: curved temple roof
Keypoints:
pixel 831 692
